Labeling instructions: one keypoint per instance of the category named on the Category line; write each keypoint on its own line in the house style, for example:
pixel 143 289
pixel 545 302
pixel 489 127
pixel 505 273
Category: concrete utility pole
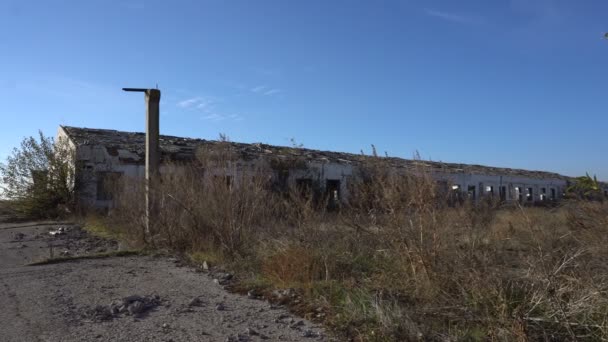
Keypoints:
pixel 152 97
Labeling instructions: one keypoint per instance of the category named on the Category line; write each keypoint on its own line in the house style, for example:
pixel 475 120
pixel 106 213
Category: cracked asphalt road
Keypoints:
pixel 50 302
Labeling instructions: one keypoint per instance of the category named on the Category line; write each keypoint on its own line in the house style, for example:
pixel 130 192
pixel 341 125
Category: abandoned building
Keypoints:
pixel 103 154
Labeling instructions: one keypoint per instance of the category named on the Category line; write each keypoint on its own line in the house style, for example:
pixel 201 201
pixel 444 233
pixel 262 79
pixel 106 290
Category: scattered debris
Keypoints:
pixel 222 278
pixel 195 302
pixel 58 231
pixel 284 294
pixel 237 338
pixel 78 241
pixel 100 313
pixel 136 308
pixel 128 316
pixel 296 324
pixel 282 317
pixel 311 334
pixel 251 332
pixel 132 305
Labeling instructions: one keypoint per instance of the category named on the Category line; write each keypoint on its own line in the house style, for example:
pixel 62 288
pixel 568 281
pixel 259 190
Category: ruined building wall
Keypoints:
pixel 98 160
pixel 507 187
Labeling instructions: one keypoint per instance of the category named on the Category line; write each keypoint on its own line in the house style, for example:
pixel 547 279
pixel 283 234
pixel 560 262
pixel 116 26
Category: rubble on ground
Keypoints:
pixel 134 305
pixel 58 231
pixel 18 236
pixel 76 241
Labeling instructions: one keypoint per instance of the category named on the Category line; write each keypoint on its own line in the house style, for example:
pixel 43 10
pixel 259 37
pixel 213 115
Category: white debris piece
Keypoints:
pixel 58 231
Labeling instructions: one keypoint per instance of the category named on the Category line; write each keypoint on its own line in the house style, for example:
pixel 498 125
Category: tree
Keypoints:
pixel 585 187
pixel 38 177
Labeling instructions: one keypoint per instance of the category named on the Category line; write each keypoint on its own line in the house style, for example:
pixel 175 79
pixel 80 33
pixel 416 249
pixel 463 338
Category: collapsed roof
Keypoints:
pixel 184 149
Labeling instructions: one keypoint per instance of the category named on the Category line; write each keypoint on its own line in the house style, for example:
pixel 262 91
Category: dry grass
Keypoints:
pixel 396 263
pixel 95 224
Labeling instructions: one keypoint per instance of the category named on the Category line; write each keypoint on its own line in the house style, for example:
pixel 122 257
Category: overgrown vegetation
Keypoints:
pixel 585 187
pixel 95 224
pixel 38 177
pixel 396 263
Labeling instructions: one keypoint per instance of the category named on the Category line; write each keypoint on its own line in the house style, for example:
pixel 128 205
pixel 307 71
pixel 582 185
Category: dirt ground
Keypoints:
pixel 122 298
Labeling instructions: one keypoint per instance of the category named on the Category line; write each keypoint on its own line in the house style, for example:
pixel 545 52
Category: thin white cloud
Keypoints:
pixel 209 108
pixel 272 91
pixel 264 90
pixel 213 117
pixel 189 102
pixel 198 102
pixel 457 18
pixel 204 104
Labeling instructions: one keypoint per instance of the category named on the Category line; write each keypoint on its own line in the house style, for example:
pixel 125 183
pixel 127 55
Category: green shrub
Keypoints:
pixel 38 177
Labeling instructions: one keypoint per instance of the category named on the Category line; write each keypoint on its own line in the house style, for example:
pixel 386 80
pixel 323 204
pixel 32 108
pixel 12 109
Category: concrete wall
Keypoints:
pixel 92 161
pixel 481 182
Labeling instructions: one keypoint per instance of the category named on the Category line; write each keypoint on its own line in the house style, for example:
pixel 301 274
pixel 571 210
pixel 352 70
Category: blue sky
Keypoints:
pixel 517 83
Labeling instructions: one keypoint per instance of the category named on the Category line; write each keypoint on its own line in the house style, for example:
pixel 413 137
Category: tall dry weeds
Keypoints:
pixel 396 262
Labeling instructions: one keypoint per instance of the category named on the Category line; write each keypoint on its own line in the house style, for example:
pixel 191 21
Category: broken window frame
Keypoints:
pixel 332 193
pixel 471 192
pixel 530 194
pixel 543 194
pixel 502 192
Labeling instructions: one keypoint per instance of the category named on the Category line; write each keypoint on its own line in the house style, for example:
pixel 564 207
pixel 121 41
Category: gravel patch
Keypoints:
pixel 129 298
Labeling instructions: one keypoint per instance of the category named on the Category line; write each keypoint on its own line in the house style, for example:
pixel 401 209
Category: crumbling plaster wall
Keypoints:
pixel 318 172
pixel 321 172
pixel 92 160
